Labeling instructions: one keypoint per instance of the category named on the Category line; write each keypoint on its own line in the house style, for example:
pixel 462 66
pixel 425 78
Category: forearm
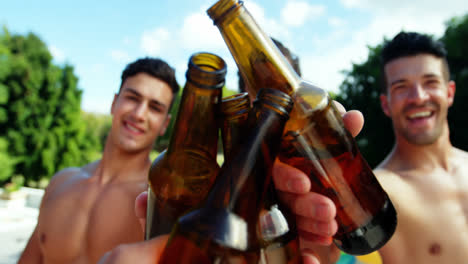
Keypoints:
pixel 32 253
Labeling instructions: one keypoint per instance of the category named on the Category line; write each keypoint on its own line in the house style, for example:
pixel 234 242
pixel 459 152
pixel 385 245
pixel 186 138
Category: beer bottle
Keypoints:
pixel 315 139
pixel 224 229
pixel 277 232
pixel 234 111
pixel 181 176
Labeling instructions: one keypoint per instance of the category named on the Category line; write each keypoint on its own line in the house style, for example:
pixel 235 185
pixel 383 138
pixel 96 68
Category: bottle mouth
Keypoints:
pixel 207 70
pixel 218 11
pixel 239 103
pixel 277 99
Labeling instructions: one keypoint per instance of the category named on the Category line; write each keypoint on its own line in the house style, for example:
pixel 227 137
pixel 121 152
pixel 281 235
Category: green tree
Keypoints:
pixel 40 117
pixel 97 128
pixel 361 89
pixel 455 39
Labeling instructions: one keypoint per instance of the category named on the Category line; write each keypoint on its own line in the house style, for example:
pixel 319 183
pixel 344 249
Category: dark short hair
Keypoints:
pixel 411 44
pixel 154 67
pixel 292 59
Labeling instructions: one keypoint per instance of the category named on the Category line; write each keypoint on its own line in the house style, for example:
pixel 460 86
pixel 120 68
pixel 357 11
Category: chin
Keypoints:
pixel 422 139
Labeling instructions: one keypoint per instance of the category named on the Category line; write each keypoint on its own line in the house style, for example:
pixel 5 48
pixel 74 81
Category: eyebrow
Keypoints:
pixel 152 101
pixel 431 75
pixel 397 82
pixel 425 76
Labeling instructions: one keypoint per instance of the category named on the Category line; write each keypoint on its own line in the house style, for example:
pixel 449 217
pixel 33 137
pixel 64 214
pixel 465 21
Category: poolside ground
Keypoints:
pixel 17 222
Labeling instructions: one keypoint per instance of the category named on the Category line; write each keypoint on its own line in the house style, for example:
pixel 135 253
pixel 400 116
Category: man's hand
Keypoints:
pixel 315 213
pixel 147 252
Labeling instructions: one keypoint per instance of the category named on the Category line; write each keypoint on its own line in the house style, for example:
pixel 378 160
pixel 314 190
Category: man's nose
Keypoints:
pixel 140 111
pixel 417 93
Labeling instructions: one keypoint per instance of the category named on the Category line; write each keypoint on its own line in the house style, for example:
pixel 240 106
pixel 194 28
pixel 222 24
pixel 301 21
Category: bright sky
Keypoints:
pixel 100 37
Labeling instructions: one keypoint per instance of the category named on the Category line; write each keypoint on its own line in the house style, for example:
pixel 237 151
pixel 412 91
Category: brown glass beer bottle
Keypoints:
pixel 315 139
pixel 277 231
pixel 224 229
pixel 234 112
pixel 181 176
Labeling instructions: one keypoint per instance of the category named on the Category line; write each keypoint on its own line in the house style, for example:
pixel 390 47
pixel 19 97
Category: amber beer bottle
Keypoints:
pixel 315 139
pixel 179 179
pixel 224 229
pixel 234 112
pixel 278 234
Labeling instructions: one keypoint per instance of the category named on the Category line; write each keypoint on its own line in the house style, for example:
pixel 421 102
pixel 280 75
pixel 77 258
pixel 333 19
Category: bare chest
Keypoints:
pixel 86 220
pixel 432 221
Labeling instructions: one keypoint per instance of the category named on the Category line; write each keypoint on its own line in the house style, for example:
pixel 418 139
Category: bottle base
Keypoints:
pixel 372 236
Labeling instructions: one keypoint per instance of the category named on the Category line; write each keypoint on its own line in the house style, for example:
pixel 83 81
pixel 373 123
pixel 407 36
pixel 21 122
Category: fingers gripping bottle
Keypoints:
pixel 315 139
pixel 180 177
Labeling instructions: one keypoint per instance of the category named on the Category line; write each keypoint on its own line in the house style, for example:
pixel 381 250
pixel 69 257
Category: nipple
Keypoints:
pixel 435 249
pixel 42 238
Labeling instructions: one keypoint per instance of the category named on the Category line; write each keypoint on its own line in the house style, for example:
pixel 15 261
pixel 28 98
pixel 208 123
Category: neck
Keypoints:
pixel 408 156
pixel 118 164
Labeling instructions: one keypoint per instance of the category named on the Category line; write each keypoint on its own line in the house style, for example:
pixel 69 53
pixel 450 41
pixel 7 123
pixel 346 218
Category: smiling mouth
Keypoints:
pixel 132 128
pixel 420 115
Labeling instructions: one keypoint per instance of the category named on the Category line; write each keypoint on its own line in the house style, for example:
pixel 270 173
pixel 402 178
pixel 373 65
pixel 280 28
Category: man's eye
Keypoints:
pixel 432 82
pixel 156 108
pixel 398 87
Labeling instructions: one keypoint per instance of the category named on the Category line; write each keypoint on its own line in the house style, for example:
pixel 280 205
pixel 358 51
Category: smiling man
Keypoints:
pixel 89 210
pixel 425 176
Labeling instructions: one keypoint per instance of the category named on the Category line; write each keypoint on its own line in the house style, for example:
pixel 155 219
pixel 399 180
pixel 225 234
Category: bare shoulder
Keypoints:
pixel 390 180
pixel 461 155
pixel 68 175
pixel 385 174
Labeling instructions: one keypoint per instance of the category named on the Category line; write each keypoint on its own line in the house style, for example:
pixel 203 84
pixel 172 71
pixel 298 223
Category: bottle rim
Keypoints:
pixel 276 99
pixel 238 103
pixel 220 9
pixel 208 66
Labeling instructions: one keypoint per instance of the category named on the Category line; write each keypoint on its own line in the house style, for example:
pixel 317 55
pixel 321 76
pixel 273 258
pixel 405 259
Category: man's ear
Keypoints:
pixel 384 104
pixel 113 103
pixel 165 125
pixel 451 87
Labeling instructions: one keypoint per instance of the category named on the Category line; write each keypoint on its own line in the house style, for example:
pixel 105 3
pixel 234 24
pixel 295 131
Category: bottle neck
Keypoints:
pixel 196 127
pixel 235 111
pixel 244 178
pixel 259 60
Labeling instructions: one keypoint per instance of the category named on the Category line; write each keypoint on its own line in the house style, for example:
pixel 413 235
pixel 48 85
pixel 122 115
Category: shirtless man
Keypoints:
pixel 89 210
pixel 424 175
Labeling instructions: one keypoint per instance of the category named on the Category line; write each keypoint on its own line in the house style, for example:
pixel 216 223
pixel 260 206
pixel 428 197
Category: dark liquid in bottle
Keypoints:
pixel 179 184
pixel 321 147
pixel 215 236
pixel 166 212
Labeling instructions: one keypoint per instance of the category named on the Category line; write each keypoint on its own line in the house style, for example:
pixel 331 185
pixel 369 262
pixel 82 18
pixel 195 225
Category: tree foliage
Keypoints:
pixel 361 89
pixel 455 39
pixel 39 109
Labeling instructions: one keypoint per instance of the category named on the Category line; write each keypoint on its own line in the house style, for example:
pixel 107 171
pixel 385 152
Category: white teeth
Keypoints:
pixel 132 128
pixel 420 114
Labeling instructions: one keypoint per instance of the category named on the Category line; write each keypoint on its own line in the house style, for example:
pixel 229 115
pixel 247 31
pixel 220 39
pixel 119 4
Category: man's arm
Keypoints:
pixel 32 253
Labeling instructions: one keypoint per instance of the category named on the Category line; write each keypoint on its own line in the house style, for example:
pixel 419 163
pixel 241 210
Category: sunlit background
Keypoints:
pixel 99 38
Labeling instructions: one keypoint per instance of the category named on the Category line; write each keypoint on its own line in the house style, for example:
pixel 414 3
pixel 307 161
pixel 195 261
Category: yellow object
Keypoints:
pixel 372 258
